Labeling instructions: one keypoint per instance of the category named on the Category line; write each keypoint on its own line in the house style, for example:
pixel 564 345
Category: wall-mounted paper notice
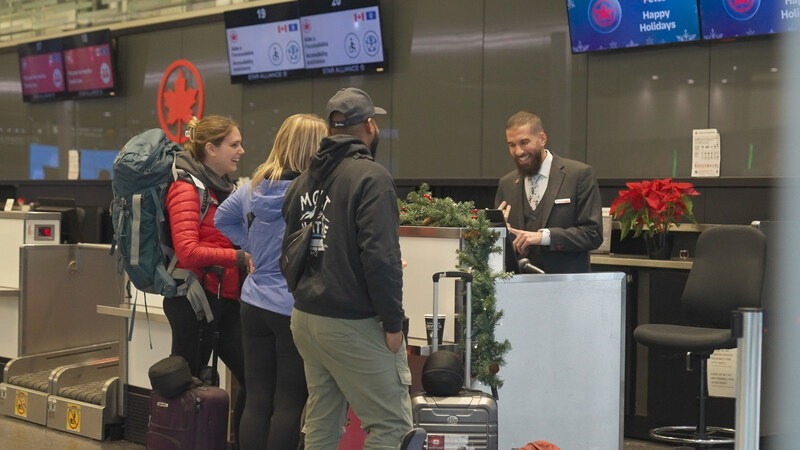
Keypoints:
pixel 74 165
pixel 722 373
pixel 705 153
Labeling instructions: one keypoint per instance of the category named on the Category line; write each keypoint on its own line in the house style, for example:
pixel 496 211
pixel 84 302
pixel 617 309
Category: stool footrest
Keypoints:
pixel 689 435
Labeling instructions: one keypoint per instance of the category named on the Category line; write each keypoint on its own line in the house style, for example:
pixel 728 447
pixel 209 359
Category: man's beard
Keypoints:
pixel 373 147
pixel 532 167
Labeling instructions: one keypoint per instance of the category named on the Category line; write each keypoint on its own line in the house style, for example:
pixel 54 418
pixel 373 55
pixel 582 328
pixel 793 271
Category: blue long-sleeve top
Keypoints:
pixel 259 234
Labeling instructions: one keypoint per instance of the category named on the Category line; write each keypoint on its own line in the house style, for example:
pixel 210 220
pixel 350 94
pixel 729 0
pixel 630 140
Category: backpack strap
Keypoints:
pixel 205 196
pixel 192 288
pixel 206 200
pixel 133 313
pixel 114 235
pixel 194 292
pixel 136 221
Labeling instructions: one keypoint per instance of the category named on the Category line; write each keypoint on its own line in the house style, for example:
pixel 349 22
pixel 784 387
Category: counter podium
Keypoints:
pixel 564 375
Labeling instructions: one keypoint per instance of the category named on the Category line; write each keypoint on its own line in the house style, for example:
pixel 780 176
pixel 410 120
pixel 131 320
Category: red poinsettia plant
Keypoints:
pixel 652 206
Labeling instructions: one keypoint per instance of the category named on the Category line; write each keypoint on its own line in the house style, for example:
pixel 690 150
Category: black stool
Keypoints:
pixel 727 274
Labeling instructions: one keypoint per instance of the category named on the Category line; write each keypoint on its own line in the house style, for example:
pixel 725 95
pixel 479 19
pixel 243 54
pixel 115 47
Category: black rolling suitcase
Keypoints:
pixel 467 419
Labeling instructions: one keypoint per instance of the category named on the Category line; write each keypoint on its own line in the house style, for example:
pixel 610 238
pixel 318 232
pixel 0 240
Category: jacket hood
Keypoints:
pixel 267 198
pixel 223 186
pixel 333 149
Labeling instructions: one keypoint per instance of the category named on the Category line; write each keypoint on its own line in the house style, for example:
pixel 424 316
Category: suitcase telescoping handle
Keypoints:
pixel 467 278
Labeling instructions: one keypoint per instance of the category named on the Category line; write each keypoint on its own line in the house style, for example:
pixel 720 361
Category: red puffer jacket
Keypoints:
pixel 200 245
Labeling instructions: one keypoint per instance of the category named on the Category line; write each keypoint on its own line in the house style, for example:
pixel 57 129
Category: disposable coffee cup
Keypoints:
pixel 429 328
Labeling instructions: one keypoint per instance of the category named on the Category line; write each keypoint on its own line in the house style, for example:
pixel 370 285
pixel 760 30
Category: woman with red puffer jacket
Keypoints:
pixel 212 153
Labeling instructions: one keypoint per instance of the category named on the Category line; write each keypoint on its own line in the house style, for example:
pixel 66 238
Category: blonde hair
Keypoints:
pixel 296 142
pixel 209 129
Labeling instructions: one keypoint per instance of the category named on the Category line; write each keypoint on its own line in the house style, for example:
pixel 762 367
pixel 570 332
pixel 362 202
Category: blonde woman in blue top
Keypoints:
pixel 251 218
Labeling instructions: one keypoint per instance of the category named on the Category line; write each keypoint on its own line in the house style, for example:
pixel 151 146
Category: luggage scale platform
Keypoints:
pixel 72 390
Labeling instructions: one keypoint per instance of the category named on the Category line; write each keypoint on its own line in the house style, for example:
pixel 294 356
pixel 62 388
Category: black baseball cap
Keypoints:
pixel 354 104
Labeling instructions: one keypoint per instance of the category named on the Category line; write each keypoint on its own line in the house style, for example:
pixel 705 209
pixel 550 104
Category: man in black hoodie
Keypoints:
pixel 348 315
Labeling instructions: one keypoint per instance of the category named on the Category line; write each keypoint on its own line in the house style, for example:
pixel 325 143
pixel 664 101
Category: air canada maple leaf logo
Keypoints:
pixel 179 100
pixel 180 96
pixel 605 15
pixel 742 9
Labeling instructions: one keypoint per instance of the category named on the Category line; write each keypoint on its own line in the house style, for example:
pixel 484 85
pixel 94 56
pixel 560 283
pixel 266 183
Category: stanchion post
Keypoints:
pixel 747 329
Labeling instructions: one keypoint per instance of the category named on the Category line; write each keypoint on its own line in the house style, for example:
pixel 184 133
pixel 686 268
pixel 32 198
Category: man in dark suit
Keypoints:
pixel 551 204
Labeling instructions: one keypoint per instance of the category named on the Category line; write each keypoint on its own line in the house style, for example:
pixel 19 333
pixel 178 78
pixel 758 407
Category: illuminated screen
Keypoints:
pixel 305 38
pixel 599 25
pixel 89 64
pixel 343 37
pixel 43 161
pixel 41 69
pixel 722 19
pixel 264 43
pixel 97 164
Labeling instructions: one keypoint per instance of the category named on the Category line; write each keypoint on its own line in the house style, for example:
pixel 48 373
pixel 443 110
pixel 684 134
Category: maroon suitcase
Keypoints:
pixel 195 420
pixel 354 436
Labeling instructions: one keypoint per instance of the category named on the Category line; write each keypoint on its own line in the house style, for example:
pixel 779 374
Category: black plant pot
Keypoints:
pixel 659 245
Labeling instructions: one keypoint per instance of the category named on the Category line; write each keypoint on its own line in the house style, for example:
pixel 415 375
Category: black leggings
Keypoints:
pixel 194 340
pixel 276 389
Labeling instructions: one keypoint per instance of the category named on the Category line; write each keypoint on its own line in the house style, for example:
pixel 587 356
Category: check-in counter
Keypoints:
pixel 563 377
pixel 150 340
pixel 55 296
pixel 18 228
pixel 9 325
pixel 429 250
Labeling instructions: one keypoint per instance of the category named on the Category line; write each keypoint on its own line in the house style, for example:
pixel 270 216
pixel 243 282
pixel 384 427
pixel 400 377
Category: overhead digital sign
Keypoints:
pixel 342 38
pixel 41 69
pixel 264 43
pixel 723 19
pixel 600 25
pixel 89 64
pixel 304 38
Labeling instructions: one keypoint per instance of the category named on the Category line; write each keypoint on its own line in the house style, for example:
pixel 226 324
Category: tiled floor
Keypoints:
pixel 18 434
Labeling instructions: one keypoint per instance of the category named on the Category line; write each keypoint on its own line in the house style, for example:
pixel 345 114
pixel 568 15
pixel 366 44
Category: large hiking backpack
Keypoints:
pixel 143 171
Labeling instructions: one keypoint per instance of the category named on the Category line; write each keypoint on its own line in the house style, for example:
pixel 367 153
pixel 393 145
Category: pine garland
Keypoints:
pixel 422 209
